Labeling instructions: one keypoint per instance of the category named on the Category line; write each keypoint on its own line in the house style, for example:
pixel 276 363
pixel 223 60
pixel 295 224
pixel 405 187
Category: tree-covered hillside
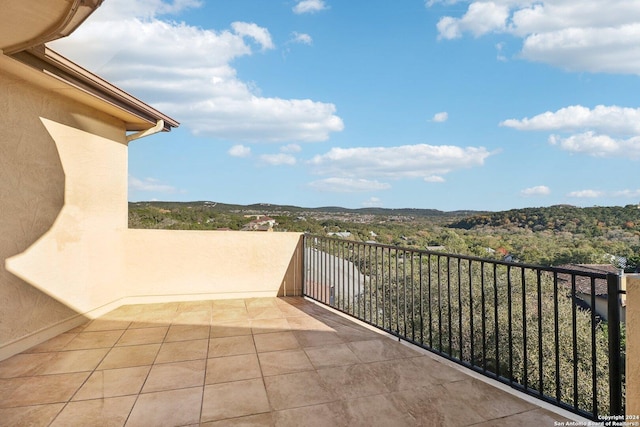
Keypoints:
pixel 594 221
pixel 548 236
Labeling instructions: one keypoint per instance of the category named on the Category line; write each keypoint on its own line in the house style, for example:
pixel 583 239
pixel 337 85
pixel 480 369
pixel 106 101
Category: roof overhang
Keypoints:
pixel 26 24
pixel 54 72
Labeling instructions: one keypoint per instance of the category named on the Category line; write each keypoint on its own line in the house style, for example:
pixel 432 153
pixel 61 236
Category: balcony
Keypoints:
pixel 258 361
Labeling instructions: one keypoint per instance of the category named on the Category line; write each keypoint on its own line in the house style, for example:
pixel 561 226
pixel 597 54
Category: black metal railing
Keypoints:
pixel 535 328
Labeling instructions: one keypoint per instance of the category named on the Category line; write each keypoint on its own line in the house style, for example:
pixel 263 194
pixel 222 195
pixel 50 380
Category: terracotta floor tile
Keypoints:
pixel 182 350
pixel 167 408
pixel 327 414
pixel 352 381
pixel 152 320
pixel 102 324
pixel 536 417
pixel 403 375
pixel 234 399
pixel 27 391
pixel 297 389
pixel 440 372
pixel 187 332
pixel 151 335
pixel 435 406
pixel 382 349
pixel 229 315
pixel 307 323
pixel 260 420
pixel 135 355
pixel 233 368
pixel 90 340
pixel 331 355
pixel 231 346
pixel 109 412
pixel 226 304
pixel 486 400
pixel 24 364
pixel 34 416
pixel 317 338
pixel 230 329
pixel 379 410
pixel 170 376
pixel 243 362
pixel 275 342
pixel 192 318
pixel 199 305
pixel 113 382
pixel 284 362
pixel 74 361
pixel 270 312
pixel 54 344
pixel 348 333
pixel 266 326
pixel 290 310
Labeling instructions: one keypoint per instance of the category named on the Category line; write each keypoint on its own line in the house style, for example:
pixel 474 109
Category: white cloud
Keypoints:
pixel 629 194
pixel 586 194
pixel 373 202
pixel 187 72
pixel 301 38
pixel 434 178
pixel 612 119
pixel 150 185
pixel 599 145
pixel 589 35
pixel 440 117
pixel 239 151
pixel 593 127
pixel 539 190
pixel 291 148
pixel 348 185
pixel 407 161
pixel 259 34
pixel 592 194
pixel 278 159
pixel 481 18
pixel 309 6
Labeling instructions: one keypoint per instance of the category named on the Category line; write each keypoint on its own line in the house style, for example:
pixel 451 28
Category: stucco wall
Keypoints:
pixel 633 345
pixel 38 131
pixel 66 253
pixel 216 264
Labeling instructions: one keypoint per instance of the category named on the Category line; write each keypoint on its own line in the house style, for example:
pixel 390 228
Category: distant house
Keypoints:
pixel 261 223
pixel 583 287
pixel 341 234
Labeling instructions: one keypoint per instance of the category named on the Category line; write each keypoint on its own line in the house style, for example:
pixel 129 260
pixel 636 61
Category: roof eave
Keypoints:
pixel 137 115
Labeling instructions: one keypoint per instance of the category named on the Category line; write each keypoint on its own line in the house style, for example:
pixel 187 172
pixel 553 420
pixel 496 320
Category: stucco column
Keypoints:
pixel 633 345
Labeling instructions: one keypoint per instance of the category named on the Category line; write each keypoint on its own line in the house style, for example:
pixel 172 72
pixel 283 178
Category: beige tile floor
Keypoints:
pixel 252 362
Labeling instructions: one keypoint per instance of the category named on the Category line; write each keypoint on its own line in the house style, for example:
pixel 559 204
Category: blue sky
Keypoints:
pixel 443 104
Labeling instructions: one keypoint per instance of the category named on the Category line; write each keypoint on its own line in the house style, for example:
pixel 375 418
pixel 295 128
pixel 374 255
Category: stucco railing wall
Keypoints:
pixel 211 264
pixel 632 371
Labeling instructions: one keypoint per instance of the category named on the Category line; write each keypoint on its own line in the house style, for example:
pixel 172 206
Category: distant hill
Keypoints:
pixel 588 221
pixel 273 208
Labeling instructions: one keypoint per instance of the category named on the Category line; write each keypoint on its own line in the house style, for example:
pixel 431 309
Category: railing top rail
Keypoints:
pixel 549 269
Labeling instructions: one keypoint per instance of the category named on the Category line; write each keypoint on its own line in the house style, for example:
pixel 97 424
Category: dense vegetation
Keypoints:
pixel 547 236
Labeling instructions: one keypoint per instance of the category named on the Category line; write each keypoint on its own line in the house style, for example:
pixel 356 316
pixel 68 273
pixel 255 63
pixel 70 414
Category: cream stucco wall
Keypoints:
pixel 66 253
pixel 46 142
pixel 632 370
pixel 218 264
